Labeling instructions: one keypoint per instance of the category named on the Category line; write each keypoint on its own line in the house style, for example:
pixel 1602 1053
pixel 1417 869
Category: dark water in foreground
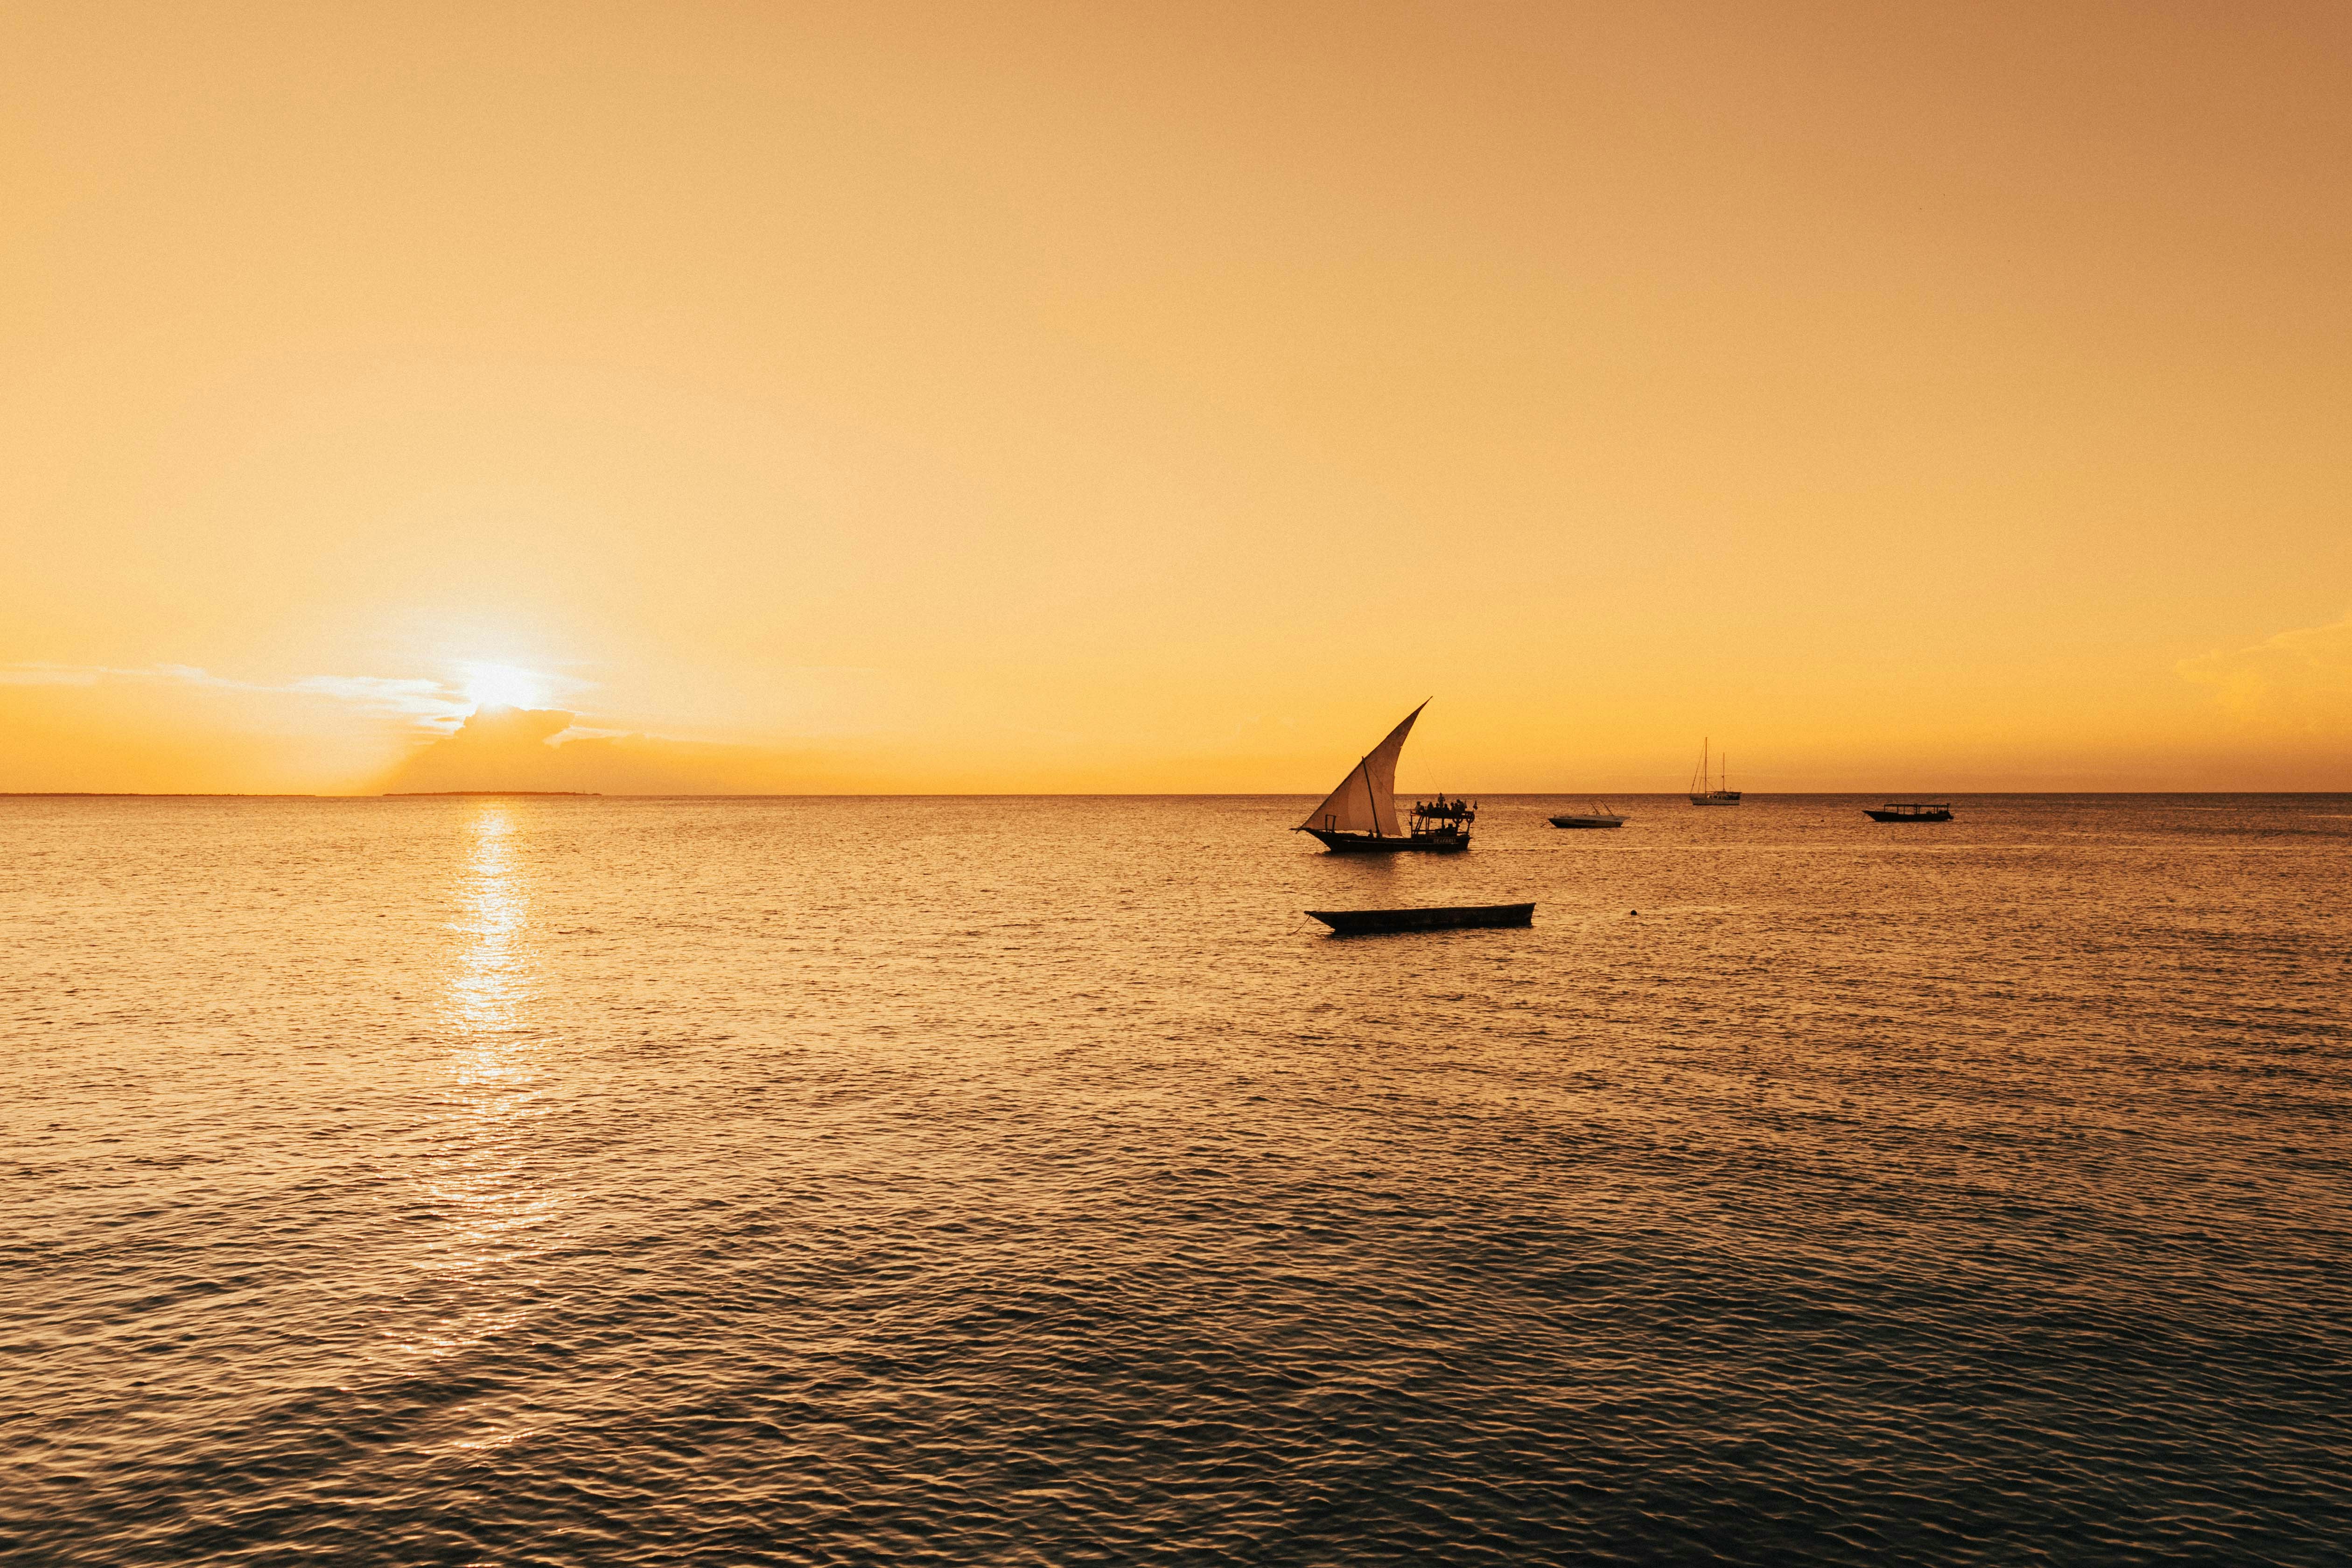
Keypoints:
pixel 1028 1182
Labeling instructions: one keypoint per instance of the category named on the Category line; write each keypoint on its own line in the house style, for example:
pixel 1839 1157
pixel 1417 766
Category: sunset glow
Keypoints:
pixel 1012 397
pixel 1209 784
pixel 504 686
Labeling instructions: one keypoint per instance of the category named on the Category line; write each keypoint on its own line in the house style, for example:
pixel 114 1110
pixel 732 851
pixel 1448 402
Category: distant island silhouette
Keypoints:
pixel 408 794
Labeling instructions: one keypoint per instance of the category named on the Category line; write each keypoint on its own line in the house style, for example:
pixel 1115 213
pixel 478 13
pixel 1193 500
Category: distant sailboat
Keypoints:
pixel 1706 790
pixel 1360 815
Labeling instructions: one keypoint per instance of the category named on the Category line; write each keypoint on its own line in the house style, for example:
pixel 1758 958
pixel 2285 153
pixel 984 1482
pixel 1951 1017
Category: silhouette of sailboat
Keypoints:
pixel 1712 790
pixel 1360 815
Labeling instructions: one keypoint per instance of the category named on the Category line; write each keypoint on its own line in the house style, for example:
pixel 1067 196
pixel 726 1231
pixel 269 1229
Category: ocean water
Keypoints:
pixel 936 1180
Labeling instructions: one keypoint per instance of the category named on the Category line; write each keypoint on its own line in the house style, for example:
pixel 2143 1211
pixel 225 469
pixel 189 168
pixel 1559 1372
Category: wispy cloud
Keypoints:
pixel 59 674
pixel 432 701
pixel 423 699
pixel 2302 678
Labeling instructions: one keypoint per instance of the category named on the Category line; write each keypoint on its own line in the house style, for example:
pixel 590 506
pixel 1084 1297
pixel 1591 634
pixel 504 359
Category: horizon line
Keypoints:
pixel 1062 795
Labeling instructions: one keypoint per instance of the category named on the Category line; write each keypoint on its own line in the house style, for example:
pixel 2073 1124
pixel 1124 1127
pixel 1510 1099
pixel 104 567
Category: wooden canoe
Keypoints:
pixel 1367 922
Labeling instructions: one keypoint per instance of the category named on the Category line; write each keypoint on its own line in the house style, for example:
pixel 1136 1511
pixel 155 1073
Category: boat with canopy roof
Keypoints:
pixel 1911 811
pixel 1360 815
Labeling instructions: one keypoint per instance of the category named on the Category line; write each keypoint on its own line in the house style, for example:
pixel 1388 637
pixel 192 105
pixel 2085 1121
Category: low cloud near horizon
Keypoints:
pixel 525 749
pixel 176 728
pixel 2300 681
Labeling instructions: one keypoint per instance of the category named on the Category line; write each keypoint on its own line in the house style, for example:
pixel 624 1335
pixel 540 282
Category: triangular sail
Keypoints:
pixel 1365 801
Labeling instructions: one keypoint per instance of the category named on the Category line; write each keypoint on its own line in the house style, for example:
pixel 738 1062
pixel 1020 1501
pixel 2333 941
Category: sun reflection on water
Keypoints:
pixel 487 990
pixel 483 1174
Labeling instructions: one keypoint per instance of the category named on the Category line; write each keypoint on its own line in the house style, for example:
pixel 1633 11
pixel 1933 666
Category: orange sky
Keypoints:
pixel 1168 397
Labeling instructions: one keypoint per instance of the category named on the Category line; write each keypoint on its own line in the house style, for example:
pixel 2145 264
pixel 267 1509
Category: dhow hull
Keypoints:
pixel 1370 844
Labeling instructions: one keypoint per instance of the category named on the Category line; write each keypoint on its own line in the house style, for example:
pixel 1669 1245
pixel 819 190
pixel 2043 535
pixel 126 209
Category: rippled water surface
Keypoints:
pixel 531 1181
